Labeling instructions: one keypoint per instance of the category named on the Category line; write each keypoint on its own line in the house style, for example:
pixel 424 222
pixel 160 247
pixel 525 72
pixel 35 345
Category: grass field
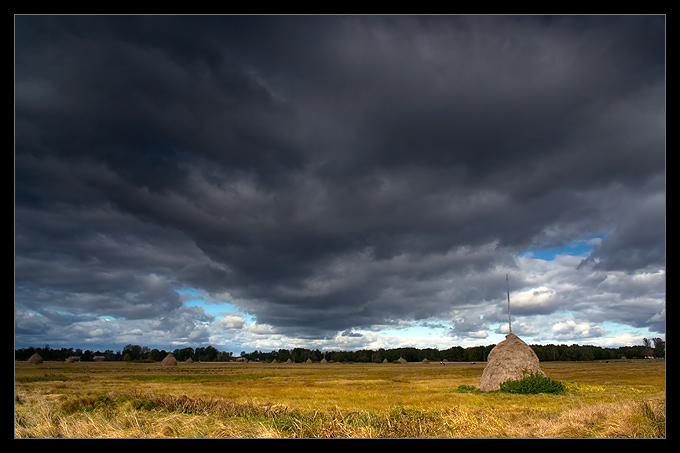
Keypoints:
pixel 118 399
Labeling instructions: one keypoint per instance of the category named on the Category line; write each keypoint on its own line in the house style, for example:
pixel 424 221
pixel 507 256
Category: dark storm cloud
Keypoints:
pixel 327 172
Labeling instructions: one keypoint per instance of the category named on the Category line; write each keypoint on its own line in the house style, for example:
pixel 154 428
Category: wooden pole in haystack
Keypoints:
pixel 507 282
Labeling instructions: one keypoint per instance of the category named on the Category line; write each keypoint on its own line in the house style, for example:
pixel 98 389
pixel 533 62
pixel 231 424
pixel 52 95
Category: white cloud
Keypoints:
pixel 570 330
pixel 231 322
pixel 623 339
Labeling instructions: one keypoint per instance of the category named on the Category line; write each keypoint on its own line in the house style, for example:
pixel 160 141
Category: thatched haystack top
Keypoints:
pixel 510 359
pixel 169 360
pixel 35 359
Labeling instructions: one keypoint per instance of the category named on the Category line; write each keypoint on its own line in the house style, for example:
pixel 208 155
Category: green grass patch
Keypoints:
pixel 48 378
pixel 92 402
pixel 180 378
pixel 467 389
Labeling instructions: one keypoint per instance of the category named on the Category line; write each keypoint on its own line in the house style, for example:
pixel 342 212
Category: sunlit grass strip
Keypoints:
pixel 136 414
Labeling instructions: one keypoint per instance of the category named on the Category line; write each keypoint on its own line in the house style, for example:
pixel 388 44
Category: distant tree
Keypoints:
pixel 182 354
pixel 134 350
pixel 224 356
pixel 659 348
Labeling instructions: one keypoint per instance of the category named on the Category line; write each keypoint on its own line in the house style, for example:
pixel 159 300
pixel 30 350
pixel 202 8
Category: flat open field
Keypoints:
pixel 118 399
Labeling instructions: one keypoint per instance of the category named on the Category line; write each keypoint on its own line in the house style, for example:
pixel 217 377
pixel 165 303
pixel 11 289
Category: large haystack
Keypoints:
pixel 169 360
pixel 35 359
pixel 510 359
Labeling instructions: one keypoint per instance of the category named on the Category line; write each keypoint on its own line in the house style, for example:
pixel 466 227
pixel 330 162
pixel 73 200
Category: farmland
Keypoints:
pixel 119 399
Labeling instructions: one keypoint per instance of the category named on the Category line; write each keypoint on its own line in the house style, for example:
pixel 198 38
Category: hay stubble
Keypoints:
pixel 618 399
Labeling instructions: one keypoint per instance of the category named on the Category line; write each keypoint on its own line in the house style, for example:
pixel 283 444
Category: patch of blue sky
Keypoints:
pixel 614 329
pixel 579 247
pixel 195 298
pixel 411 331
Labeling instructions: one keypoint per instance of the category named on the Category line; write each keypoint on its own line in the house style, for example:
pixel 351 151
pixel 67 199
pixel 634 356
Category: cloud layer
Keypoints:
pixel 321 174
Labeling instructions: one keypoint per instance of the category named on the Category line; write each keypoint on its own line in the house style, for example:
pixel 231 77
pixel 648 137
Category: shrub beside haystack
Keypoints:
pixel 511 359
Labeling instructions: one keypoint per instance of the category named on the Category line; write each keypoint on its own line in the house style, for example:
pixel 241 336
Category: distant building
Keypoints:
pixel 98 358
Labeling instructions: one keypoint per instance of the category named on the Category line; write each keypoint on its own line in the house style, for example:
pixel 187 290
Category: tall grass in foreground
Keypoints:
pixel 139 414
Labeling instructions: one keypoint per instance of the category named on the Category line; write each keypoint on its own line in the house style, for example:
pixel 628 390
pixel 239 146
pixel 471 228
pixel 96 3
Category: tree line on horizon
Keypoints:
pixel 546 353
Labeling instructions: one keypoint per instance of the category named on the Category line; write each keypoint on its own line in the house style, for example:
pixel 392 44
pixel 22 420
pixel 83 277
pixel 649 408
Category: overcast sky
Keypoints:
pixel 338 182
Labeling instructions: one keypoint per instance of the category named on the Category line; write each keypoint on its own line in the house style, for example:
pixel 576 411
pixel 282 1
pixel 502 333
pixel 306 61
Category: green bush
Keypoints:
pixel 467 389
pixel 532 384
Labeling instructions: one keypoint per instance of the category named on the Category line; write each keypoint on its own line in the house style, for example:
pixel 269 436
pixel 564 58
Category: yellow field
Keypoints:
pixel 118 399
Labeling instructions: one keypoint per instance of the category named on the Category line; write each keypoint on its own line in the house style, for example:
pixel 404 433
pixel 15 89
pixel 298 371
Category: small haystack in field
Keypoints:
pixel 324 360
pixel 385 361
pixel 190 360
pixel 35 359
pixel 309 361
pixel 289 361
pixel 169 360
pixel 510 359
pixel 401 360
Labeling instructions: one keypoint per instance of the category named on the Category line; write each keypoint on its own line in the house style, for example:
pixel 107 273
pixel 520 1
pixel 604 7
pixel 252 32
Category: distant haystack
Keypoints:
pixel 426 361
pixel 401 360
pixel 324 360
pixel 169 360
pixel 508 360
pixel 385 361
pixel 289 361
pixel 35 359
pixel 275 361
pixel 309 361
pixel 190 360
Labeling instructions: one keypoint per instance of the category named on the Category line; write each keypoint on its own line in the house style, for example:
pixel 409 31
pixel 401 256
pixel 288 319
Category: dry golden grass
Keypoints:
pixel 616 399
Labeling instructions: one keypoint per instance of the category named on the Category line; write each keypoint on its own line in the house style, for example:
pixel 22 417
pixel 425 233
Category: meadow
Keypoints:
pixel 615 399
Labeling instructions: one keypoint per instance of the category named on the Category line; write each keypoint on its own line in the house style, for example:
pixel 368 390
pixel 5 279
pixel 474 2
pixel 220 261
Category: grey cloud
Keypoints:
pixel 329 172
